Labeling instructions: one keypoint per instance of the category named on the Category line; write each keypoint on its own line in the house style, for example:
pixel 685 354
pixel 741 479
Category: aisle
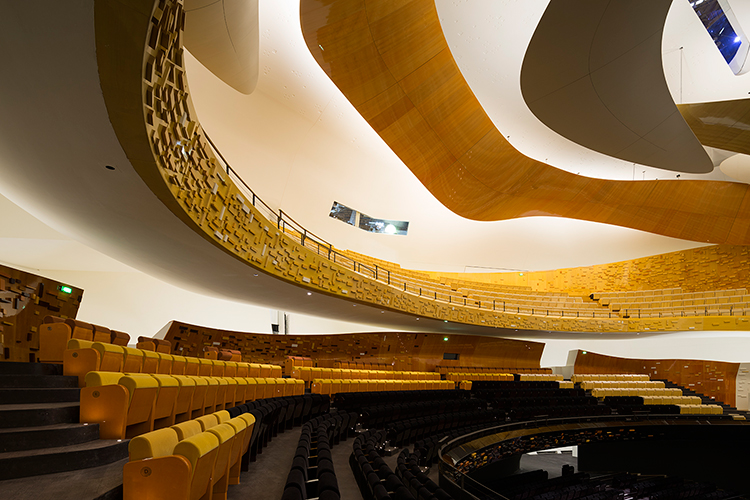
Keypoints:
pixel 267 476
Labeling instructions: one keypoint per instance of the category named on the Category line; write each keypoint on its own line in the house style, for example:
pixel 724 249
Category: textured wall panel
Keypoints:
pixel 25 299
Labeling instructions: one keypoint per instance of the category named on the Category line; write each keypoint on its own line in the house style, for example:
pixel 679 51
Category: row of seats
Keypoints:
pixel 194 459
pixel 623 377
pixel 603 393
pixel 458 377
pixel 312 474
pixel 309 374
pixel 126 405
pixel 363 365
pixel 358 400
pixel 336 386
pixel 610 384
pixel 382 414
pixel 449 368
pixel 194 467
pixel 538 377
pixel 55 332
pixel 671 400
pixel 700 409
pixel 404 432
pixel 375 478
pixel 82 357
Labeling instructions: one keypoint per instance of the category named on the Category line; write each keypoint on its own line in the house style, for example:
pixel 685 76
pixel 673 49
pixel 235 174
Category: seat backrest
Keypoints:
pixel 119 338
pixel 201 451
pixel 102 334
pixel 187 429
pixel 222 416
pixel 153 444
pixel 207 421
pixel 178 364
pixel 80 330
pixel 133 362
pixel 111 357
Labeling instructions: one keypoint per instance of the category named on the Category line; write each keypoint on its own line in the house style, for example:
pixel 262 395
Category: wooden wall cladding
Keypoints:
pixel 391 60
pixel 715 267
pixel 715 379
pixel 25 299
pixel 405 351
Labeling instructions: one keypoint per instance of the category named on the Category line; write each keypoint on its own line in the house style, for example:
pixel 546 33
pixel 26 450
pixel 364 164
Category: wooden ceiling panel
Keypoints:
pixel 491 180
pixel 408 36
pixel 721 124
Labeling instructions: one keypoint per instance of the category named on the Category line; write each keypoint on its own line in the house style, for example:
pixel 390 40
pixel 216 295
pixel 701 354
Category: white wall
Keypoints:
pixel 730 346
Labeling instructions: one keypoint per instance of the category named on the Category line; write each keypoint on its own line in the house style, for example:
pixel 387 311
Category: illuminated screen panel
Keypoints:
pixel 722 26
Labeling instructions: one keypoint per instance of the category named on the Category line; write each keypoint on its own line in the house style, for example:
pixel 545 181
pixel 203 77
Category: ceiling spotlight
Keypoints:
pixel 309 293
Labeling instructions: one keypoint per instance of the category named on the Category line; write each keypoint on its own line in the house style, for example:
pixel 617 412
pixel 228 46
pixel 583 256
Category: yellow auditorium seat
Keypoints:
pixel 240 394
pixel 243 432
pixel 187 429
pixel 208 421
pixel 206 366
pixel 220 477
pixel 133 362
pixel 221 393
pixel 230 393
pixel 197 406
pixel 182 474
pixel 250 390
pixel 254 370
pixel 102 334
pixel 183 405
pixel 122 405
pixel 209 402
pixel 54 334
pixel 192 366
pixel 166 400
pixel 217 368
pixel 165 364
pixel 230 368
pixel 266 371
pixel 243 369
pixel 150 361
pixel 178 365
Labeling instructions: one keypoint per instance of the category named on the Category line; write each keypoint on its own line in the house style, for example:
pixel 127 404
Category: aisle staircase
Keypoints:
pixel 39 429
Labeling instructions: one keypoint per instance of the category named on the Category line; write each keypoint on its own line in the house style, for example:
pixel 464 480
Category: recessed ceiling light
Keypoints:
pixel 109 167
pixel 255 275
pixel 309 293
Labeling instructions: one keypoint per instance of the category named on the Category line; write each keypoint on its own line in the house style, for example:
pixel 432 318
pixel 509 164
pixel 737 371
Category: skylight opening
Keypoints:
pixel 724 29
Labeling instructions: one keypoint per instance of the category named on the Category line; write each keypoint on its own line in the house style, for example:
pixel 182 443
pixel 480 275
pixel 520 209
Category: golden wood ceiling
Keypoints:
pixel 391 60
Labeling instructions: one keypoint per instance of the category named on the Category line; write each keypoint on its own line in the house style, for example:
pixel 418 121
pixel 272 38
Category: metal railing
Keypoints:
pixel 400 281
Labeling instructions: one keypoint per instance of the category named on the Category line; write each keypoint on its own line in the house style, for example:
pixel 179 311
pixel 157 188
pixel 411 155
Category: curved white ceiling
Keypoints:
pixel 301 145
pixel 488 39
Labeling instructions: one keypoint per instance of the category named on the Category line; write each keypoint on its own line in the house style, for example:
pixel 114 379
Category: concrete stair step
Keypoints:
pixel 18 395
pixel 96 483
pixel 37 381
pixel 35 414
pixel 20 368
pixel 46 436
pixel 27 463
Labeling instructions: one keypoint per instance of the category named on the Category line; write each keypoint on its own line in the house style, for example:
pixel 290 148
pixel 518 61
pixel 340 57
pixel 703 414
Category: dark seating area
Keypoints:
pixel 312 474
pixel 633 405
pixel 534 400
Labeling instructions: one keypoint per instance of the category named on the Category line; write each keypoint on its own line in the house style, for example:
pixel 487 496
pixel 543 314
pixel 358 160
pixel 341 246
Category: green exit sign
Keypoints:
pixel 66 289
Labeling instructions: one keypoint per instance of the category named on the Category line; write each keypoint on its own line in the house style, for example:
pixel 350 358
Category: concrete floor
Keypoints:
pixel 75 485
pixel 266 477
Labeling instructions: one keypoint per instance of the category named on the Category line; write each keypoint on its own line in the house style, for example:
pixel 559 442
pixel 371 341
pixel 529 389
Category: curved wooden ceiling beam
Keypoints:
pixel 721 124
pixel 391 60
pixel 593 73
